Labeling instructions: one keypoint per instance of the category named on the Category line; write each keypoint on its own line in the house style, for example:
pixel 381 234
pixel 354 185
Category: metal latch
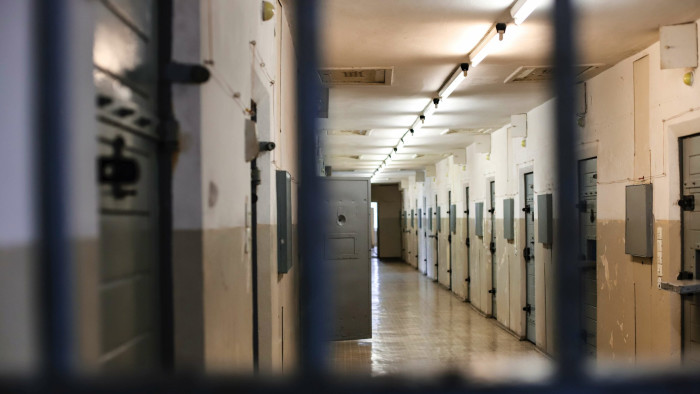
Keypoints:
pixel 687 203
pixel 526 253
pixel 492 210
pixel 493 247
pixel 527 209
pixel 449 238
pixel 468 242
pixel 118 171
pixel 527 308
pixel 468 280
pixel 492 291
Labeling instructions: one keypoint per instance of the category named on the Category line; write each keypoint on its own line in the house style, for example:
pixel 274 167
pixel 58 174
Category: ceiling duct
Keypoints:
pixel 357 76
pixel 546 73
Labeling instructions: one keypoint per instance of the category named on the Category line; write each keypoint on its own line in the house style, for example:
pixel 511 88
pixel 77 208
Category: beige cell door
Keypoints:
pixel 529 256
pixel 690 223
pixel 347 251
pixel 588 215
pixel 125 76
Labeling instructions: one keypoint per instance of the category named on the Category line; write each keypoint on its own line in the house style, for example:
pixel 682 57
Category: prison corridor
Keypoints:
pixel 421 328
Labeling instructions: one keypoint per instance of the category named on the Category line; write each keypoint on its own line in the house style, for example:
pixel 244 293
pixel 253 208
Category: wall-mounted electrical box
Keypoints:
pixel 508 222
pixel 420 218
pixel 285 256
pixel 453 218
pixel 544 218
pixel 479 218
pixel 679 46
pixel 438 220
pixel 413 216
pixel 430 218
pixel 639 221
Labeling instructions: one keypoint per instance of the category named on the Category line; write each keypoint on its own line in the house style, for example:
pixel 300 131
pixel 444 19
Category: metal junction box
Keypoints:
pixel 453 218
pixel 479 218
pixel 430 218
pixel 285 254
pixel 639 220
pixel 508 222
pixel 544 218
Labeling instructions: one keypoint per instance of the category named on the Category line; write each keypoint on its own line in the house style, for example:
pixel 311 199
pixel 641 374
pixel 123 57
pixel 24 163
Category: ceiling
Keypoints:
pixel 425 40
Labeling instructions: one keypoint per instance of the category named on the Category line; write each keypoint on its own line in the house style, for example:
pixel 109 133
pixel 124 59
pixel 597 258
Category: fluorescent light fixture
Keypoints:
pixel 522 9
pixel 417 124
pixel 490 43
pixel 444 131
pixel 429 109
pixel 454 81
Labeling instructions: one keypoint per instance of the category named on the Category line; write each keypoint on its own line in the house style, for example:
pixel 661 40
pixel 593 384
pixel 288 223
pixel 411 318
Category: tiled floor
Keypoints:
pixel 421 328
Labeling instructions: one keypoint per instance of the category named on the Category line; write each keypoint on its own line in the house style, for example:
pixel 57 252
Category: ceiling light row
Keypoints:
pixel 491 42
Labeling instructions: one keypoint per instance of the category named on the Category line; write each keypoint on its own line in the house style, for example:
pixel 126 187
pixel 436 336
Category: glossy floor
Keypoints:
pixel 418 327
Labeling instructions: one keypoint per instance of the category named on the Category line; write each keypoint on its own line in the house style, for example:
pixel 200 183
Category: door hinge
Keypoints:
pixel 467 242
pixel 468 280
pixel 492 291
pixel 527 209
pixel 526 253
pixel 449 238
pixel 527 308
pixel 492 210
pixel 492 247
pixel 687 203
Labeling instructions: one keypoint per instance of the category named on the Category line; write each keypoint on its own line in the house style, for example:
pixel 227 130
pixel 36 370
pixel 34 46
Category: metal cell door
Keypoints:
pixel 347 250
pixel 425 237
pixel 492 246
pixel 451 215
pixel 125 76
pixel 690 222
pixel 437 239
pixel 588 213
pixel 529 256
pixel 468 243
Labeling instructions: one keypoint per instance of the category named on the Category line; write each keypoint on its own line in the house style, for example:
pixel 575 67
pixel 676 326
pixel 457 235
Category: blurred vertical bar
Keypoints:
pixel 567 281
pixel 51 157
pixel 314 305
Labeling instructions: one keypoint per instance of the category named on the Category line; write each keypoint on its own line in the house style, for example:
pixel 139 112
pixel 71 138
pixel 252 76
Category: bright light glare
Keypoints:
pixel 522 9
pixel 459 77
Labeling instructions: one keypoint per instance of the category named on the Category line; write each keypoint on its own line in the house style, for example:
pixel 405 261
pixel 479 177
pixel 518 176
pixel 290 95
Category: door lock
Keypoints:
pixel 118 171
pixel 687 203
pixel 527 308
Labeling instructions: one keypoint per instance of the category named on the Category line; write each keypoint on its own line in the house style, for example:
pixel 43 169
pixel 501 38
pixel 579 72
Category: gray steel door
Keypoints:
pixel 492 246
pixel 347 250
pixel 468 243
pixel 451 217
pixel 437 239
pixel 588 213
pixel 425 237
pixel 125 76
pixel 691 245
pixel 529 256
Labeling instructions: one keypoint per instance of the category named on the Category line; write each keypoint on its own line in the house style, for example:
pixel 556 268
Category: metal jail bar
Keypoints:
pixel 55 259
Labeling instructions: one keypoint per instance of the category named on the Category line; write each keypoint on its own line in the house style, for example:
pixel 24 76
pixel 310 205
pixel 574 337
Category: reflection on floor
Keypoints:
pixel 419 327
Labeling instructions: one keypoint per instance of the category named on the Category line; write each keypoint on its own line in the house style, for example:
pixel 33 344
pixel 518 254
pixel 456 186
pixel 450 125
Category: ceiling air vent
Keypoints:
pixel 349 132
pixel 357 76
pixel 546 73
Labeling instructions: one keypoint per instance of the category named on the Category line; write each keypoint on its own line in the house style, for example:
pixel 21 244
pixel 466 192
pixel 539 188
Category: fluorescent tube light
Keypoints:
pixel 417 125
pixel 492 41
pixel 522 9
pixel 454 81
pixel 429 109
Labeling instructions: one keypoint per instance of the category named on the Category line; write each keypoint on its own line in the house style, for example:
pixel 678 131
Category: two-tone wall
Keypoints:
pixel 634 115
